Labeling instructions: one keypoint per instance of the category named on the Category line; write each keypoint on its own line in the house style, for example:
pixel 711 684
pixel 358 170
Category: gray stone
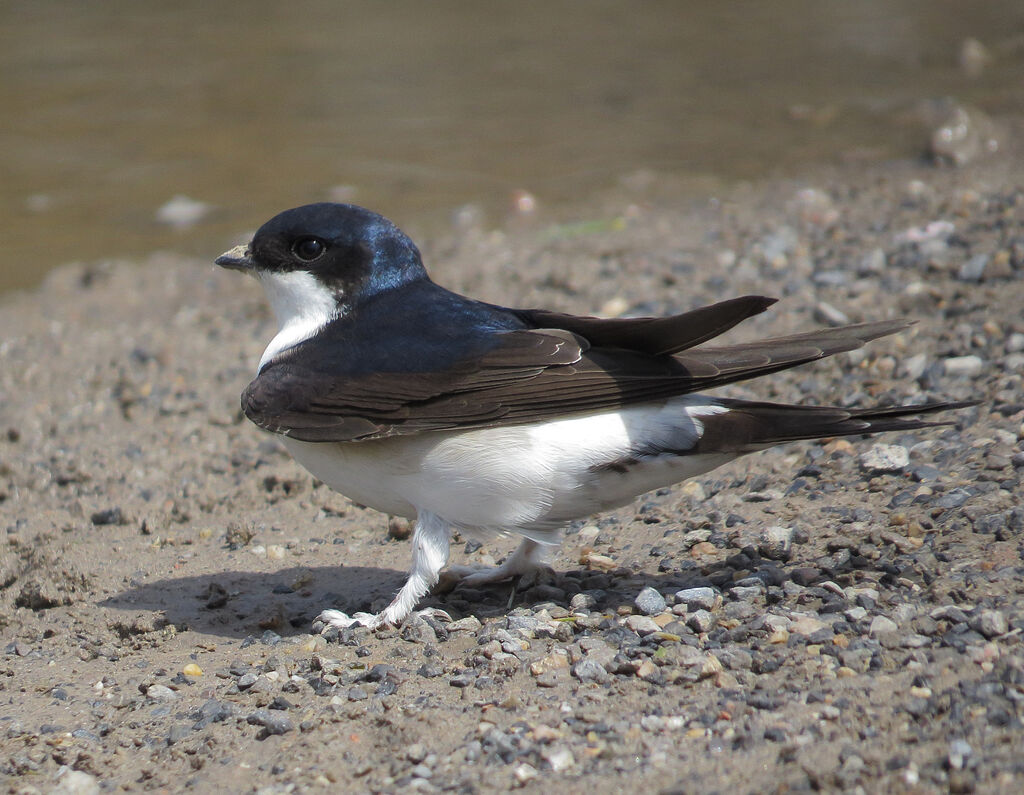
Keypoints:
pixel 973 269
pixel 76 782
pixel 467 624
pixel 160 693
pixel 700 621
pixel 873 262
pixel 882 458
pixel 825 313
pixel 462 680
pixel 698 598
pixel 262 685
pixel 273 722
pixel 881 624
pixel 960 753
pixel 583 602
pixel 747 593
pixel 913 367
pixel 951 499
pixel 587 670
pixel 650 602
pixel 178 733
pixel 989 623
pixel 830 279
pixel 779 243
pixel 642 625
pixel 776 542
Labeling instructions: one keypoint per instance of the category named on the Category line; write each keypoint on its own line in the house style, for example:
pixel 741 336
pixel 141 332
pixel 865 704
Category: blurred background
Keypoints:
pixel 136 126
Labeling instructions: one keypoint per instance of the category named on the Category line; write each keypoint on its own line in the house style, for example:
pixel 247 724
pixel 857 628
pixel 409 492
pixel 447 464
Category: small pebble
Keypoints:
pixel 960 752
pixel 650 602
pixel 882 624
pixel 559 758
pixel 826 313
pixel 776 542
pixel 160 693
pixel 588 670
pixel 884 458
pixel 700 621
pixel 272 722
pixel 467 624
pixel 525 773
pixel 963 366
pixel 698 598
pixel 76 782
pixel 642 625
pixel 989 623
pixel 973 269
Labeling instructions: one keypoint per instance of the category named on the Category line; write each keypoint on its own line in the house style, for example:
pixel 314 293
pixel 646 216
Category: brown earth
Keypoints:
pixel 161 559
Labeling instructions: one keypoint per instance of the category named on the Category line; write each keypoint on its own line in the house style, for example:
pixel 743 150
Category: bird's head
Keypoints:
pixel 326 255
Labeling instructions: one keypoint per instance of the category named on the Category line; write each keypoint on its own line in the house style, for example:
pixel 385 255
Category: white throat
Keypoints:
pixel 302 306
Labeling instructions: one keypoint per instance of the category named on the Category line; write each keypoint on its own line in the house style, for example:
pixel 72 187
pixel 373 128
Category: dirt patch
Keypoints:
pixel 812 617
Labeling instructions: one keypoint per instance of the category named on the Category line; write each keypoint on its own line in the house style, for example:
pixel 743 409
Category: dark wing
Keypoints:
pixel 654 335
pixel 531 375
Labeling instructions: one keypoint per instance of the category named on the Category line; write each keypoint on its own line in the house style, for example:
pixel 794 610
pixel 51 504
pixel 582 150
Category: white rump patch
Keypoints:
pixel 302 306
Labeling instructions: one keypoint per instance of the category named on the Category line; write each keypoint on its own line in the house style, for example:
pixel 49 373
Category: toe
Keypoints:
pixel 435 613
pixel 340 620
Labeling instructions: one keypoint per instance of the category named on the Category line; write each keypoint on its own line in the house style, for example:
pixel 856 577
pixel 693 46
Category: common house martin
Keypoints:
pixel 470 416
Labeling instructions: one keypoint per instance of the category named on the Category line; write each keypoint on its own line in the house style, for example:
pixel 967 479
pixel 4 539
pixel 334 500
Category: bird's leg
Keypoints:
pixel 430 539
pixel 528 558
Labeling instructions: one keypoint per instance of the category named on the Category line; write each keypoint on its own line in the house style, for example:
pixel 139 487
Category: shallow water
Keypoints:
pixel 414 109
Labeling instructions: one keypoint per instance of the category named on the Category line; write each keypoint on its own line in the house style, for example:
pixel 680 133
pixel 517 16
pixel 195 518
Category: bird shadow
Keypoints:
pixel 244 603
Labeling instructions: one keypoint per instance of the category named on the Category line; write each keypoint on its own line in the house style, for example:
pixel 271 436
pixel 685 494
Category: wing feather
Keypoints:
pixel 533 374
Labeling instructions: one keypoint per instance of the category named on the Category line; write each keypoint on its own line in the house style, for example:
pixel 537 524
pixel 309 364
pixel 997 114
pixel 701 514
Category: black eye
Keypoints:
pixel 309 248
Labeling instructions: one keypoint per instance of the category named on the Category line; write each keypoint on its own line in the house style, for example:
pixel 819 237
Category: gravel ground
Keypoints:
pixel 840 616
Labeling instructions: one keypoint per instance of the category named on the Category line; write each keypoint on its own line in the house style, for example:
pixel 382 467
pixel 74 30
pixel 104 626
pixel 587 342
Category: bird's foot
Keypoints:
pixel 526 567
pixel 474 576
pixel 340 620
pixel 527 563
pixel 337 619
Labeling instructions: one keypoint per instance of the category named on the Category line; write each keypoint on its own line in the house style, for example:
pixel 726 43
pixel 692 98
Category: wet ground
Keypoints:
pixel 112 110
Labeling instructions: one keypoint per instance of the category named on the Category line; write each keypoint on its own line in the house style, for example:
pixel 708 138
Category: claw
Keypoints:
pixel 435 613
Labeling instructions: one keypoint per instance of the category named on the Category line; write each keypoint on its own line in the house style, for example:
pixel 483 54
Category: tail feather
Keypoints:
pixel 753 359
pixel 749 425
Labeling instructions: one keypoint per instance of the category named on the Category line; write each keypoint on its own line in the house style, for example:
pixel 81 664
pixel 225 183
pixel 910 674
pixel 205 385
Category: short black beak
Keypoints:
pixel 236 259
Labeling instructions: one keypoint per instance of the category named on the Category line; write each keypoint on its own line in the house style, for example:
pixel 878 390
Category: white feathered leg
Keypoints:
pixel 430 544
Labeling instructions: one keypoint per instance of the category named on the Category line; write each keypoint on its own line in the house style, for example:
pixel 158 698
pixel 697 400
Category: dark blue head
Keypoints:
pixel 348 249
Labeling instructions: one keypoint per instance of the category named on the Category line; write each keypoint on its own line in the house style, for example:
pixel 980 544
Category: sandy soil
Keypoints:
pixel 161 559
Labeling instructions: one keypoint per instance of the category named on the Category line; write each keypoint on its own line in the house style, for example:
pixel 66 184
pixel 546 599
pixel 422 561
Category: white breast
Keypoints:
pixel 521 478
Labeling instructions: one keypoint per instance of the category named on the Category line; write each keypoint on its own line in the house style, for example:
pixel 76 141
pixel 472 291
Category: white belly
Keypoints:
pixel 521 477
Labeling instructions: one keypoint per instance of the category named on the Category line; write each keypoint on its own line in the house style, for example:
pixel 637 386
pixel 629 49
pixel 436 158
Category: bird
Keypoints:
pixel 488 420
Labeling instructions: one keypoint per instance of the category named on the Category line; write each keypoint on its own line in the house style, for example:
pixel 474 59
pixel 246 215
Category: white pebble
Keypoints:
pixel 880 624
pixel 885 458
pixel 964 366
